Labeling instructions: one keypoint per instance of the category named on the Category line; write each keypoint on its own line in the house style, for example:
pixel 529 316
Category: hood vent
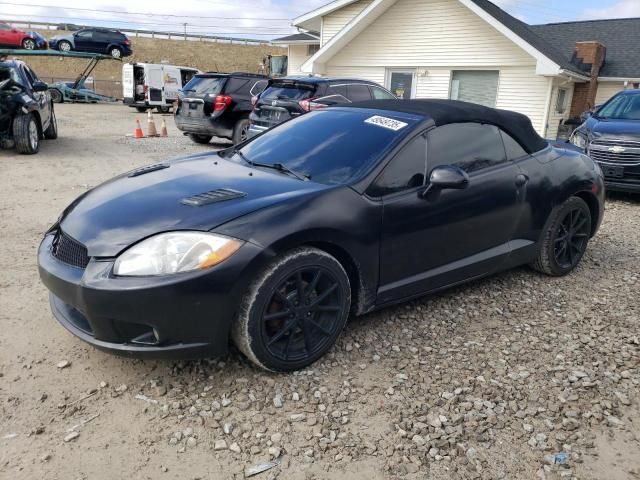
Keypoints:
pixel 214 196
pixel 148 169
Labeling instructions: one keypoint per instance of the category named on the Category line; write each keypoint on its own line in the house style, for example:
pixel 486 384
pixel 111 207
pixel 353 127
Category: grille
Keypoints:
pixel 620 152
pixel 69 251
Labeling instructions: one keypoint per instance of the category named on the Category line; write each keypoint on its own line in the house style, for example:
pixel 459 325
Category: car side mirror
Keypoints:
pixel 447 177
pixel 586 116
pixel 39 86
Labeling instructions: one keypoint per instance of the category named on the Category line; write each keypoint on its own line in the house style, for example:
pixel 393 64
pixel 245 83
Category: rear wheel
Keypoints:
pixel 203 139
pixel 294 311
pixel 240 131
pixel 56 95
pixel 115 52
pixel 29 44
pixel 64 46
pixel 565 239
pixel 26 134
pixel 165 109
pixel 51 133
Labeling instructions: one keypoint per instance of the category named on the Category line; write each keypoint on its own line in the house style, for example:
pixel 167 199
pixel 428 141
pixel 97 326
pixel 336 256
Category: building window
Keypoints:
pixel 312 49
pixel 475 86
pixel 562 100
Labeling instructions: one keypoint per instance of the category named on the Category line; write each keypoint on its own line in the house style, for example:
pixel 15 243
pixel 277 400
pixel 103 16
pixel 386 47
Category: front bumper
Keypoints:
pixel 180 316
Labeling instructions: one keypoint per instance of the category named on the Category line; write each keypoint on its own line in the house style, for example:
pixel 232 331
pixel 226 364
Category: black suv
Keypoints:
pixel 218 105
pixel 94 40
pixel 290 97
pixel 611 137
pixel 26 109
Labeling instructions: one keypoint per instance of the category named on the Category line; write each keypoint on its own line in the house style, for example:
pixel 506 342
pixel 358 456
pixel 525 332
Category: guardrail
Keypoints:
pixel 37 25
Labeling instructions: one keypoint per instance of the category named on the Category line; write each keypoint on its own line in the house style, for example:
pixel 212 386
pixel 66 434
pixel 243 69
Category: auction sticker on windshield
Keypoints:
pixel 386 122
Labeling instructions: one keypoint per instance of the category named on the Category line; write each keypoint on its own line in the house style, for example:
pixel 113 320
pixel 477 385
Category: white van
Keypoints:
pixel 153 85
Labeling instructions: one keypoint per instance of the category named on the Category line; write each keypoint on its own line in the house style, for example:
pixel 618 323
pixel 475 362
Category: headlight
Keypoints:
pixel 175 252
pixel 579 140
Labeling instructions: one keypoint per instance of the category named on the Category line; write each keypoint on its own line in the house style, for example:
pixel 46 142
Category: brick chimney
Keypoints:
pixel 591 54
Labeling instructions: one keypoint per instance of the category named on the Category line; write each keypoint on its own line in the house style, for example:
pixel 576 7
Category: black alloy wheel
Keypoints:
pixel 565 238
pixel 294 311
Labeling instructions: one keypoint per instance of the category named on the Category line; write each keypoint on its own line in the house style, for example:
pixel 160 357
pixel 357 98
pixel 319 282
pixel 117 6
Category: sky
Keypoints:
pixel 263 19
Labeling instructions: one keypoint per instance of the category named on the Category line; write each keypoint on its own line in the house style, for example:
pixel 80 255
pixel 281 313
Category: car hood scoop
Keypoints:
pixel 214 196
pixel 198 193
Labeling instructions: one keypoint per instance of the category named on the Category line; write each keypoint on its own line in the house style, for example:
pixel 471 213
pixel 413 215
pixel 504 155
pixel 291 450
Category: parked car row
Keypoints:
pixel 90 40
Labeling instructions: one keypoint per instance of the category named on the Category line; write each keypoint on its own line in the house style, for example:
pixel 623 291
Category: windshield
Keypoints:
pixel 332 146
pixel 621 107
pixel 287 92
pixel 203 85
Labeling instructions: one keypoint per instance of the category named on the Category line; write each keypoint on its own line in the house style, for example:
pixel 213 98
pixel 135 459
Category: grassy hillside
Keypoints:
pixel 203 55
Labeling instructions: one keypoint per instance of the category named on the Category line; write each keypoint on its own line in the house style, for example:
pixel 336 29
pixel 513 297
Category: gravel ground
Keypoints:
pixel 515 377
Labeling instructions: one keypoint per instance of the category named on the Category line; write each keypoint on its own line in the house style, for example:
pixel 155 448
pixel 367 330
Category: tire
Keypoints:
pixel 56 95
pixel 51 133
pixel 163 110
pixel 115 52
pixel 29 44
pixel 565 239
pixel 240 131
pixel 202 139
pixel 141 109
pixel 64 46
pixel 293 336
pixel 26 134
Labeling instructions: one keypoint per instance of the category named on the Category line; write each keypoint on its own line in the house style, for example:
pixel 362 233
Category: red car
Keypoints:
pixel 14 38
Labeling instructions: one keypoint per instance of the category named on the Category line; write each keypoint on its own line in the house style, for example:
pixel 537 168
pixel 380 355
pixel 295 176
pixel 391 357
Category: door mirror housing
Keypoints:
pixel 447 177
pixel 39 86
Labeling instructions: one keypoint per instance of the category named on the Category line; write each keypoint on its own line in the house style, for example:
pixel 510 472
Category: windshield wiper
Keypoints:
pixel 275 166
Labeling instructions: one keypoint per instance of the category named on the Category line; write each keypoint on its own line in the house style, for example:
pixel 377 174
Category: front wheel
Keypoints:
pixel 294 311
pixel 26 134
pixel 565 239
pixel 64 46
pixel 202 139
pixel 51 133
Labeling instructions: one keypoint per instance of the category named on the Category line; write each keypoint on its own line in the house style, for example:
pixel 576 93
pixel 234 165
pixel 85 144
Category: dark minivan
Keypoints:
pixel 218 105
pixel 289 97
pixel 611 137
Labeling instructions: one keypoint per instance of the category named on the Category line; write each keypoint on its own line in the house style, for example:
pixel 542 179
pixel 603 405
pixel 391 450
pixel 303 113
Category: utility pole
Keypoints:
pixel 185 30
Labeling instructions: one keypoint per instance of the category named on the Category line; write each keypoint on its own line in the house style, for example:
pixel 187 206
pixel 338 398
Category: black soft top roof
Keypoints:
pixel 444 112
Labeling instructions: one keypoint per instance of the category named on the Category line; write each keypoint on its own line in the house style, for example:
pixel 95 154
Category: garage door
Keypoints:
pixel 475 86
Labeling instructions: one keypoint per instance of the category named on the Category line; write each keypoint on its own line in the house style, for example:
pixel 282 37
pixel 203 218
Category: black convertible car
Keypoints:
pixel 275 242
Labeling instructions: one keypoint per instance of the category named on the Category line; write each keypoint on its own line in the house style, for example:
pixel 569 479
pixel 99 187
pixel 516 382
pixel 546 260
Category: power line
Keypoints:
pixel 147 14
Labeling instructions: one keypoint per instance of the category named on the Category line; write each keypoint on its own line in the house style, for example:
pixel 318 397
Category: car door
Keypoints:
pixel 43 99
pixel 84 41
pixel 6 36
pixel 448 236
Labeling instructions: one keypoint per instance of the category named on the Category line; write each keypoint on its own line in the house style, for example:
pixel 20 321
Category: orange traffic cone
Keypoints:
pixel 138 133
pixel 151 127
pixel 163 129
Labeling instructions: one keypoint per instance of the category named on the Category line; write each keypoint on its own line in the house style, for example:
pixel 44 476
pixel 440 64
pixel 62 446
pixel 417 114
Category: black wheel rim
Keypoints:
pixel 303 314
pixel 571 238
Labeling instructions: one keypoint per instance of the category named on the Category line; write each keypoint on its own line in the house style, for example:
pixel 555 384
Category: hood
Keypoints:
pixel 133 206
pixel 620 129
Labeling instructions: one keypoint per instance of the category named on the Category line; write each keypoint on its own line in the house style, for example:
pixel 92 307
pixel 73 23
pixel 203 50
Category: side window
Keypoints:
pixel 358 92
pixel 380 94
pixel 470 146
pixel 259 87
pixel 514 149
pixel 337 90
pixel 404 172
pixel 4 26
pixel 85 34
pixel 236 85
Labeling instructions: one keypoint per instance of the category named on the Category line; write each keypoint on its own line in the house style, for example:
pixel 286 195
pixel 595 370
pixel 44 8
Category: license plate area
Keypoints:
pixel 613 172
pixel 193 106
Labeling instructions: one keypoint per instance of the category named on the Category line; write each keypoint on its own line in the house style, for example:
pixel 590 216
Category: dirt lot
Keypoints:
pixel 491 380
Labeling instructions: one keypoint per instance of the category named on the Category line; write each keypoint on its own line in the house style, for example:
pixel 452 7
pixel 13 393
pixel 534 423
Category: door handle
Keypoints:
pixel 521 180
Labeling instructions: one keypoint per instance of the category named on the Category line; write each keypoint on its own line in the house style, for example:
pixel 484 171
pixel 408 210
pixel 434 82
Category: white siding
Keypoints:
pixel 336 21
pixel 430 33
pixel 606 90
pixel 373 74
pixel 297 56
pixel 433 83
pixel 554 116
